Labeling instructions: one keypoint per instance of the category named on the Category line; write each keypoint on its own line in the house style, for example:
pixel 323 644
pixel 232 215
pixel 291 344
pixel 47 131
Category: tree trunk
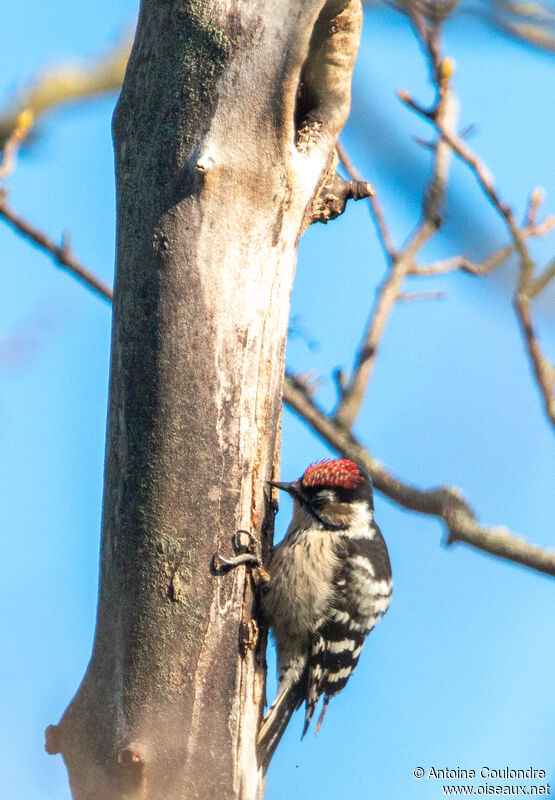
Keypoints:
pixel 224 136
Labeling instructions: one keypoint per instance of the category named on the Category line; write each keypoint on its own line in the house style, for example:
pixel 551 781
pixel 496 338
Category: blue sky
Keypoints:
pixel 460 673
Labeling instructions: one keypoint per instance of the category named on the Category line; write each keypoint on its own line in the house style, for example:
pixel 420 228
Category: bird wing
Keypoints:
pixel 363 592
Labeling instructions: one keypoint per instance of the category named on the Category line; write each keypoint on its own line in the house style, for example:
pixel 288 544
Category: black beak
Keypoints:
pixel 286 487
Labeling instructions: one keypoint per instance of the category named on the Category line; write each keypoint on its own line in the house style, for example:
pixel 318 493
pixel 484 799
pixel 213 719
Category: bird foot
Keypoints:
pixel 245 546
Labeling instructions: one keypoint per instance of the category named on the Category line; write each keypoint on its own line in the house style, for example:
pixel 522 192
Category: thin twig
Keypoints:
pixel 489 263
pixel 352 396
pixel 534 202
pixel 68 83
pixel 22 126
pixel 445 503
pixel 377 212
pixel 481 172
pixel 61 254
pixel 408 297
pixel 388 293
pixel 543 370
pixel 542 280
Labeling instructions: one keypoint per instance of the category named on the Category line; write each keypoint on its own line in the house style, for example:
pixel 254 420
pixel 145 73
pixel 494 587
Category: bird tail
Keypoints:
pixel 276 720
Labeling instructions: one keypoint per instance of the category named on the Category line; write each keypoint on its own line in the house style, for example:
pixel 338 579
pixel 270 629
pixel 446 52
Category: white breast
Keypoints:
pixel 301 580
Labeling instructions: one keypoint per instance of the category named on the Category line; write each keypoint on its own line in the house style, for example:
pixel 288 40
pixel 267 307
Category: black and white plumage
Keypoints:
pixel 329 583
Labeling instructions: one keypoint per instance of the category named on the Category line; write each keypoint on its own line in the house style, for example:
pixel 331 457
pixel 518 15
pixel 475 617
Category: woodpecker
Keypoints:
pixel 326 586
pixel 329 584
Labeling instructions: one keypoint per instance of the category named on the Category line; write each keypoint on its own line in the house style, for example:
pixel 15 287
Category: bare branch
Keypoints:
pixel 331 199
pixel 531 22
pixel 542 280
pixel 543 371
pixel 350 168
pixel 489 263
pixel 445 503
pixel 402 262
pixel 441 267
pixel 68 83
pixel 22 126
pixel 408 297
pixel 61 253
pixel 533 34
pixel 481 172
pixel 377 212
pixel 534 202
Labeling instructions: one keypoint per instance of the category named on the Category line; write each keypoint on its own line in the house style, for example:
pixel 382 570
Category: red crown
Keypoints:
pixel 337 472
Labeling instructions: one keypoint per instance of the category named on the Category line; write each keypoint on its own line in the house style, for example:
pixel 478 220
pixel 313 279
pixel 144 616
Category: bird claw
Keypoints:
pixel 246 554
pixel 242 546
pixel 219 562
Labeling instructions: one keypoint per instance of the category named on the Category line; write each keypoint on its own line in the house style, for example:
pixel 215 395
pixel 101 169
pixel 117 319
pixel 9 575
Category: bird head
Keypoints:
pixel 334 492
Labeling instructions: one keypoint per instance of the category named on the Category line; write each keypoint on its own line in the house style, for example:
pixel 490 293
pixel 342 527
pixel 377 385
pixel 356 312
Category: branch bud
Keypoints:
pixel 537 196
pixel 446 70
pixel 23 123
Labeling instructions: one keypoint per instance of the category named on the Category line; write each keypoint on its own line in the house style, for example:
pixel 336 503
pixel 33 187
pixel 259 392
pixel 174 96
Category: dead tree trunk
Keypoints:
pixel 224 140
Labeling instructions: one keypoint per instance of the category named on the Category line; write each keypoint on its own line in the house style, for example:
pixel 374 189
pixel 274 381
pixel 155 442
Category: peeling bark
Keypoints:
pixel 223 134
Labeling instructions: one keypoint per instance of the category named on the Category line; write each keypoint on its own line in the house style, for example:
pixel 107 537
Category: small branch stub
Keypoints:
pixel 332 199
pixel 52 740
